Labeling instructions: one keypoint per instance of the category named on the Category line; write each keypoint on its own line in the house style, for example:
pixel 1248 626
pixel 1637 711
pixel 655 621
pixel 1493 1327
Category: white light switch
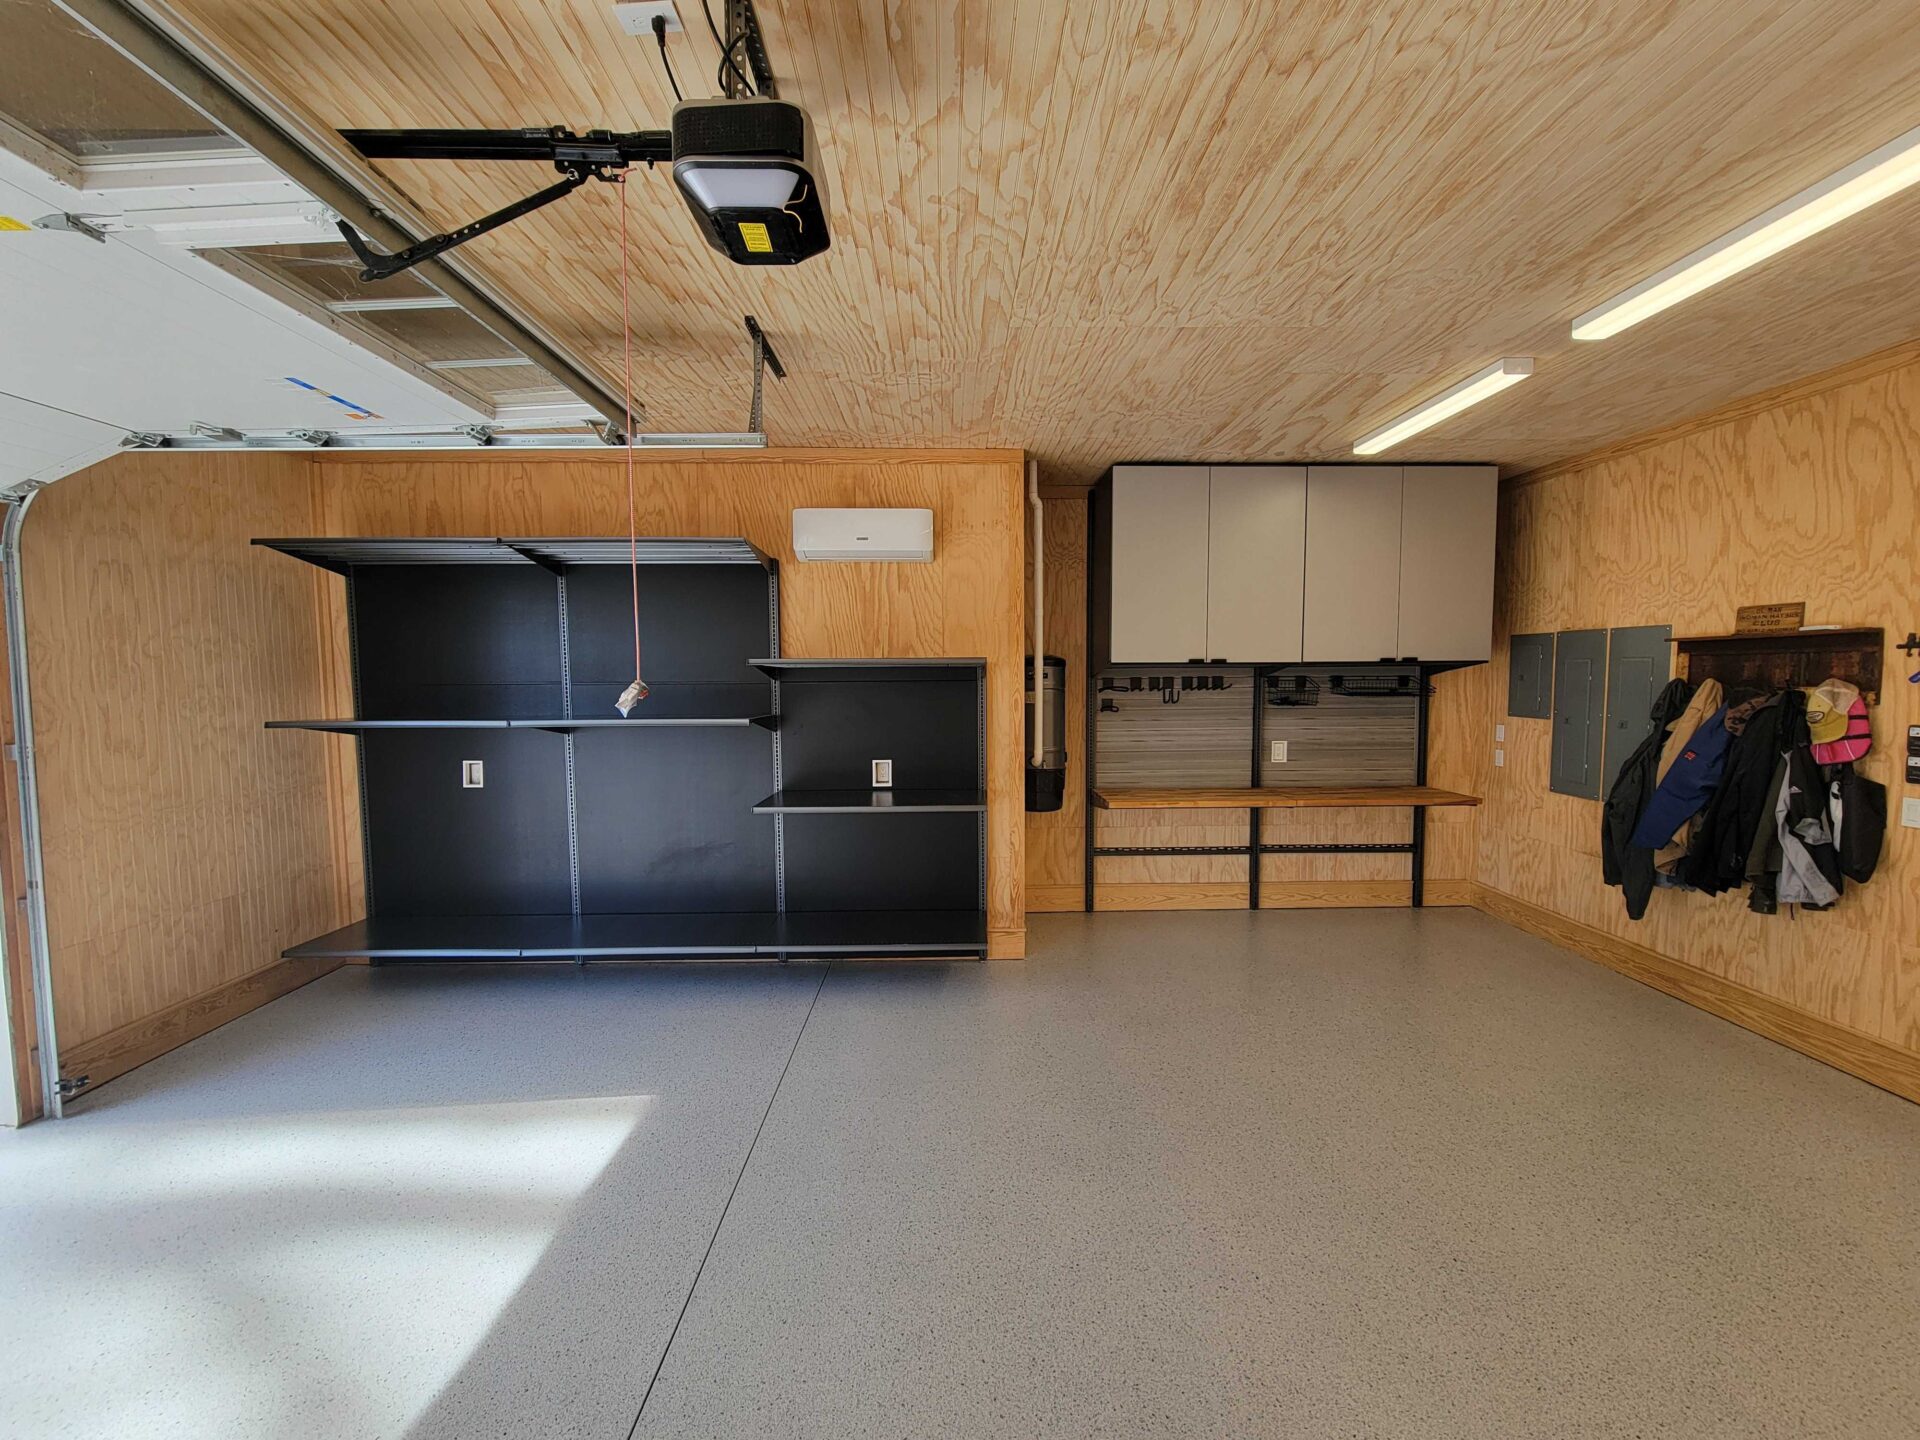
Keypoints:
pixel 882 774
pixel 1499 758
pixel 1499 732
pixel 1278 752
pixel 473 774
pixel 1910 814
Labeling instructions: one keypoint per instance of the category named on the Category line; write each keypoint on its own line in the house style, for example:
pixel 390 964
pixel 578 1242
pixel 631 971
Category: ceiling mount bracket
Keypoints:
pixel 597 155
pixel 73 224
pixel 763 360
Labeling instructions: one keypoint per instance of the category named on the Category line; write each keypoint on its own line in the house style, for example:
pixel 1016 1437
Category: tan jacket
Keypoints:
pixel 1706 700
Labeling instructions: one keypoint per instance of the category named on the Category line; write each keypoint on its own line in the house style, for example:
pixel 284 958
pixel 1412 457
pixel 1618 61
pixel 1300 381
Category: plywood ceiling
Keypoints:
pixel 1114 230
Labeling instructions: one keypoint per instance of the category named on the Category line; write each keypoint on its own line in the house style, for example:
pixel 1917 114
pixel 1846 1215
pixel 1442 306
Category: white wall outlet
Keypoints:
pixel 1499 759
pixel 1910 814
pixel 1500 732
pixel 1277 752
pixel 637 18
pixel 473 774
pixel 882 774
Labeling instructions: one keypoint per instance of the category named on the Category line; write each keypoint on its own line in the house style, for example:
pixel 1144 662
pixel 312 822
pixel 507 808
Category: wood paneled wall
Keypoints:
pixel 185 846
pixel 969 601
pixel 1811 495
pixel 1055 852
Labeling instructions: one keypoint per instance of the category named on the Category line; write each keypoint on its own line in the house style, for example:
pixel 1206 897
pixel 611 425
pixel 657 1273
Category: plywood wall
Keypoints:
pixel 969 601
pixel 1810 496
pixel 185 847
pixel 1055 849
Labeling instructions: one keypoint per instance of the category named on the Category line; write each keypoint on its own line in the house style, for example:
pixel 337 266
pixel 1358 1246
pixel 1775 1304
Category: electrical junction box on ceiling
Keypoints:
pixel 898 535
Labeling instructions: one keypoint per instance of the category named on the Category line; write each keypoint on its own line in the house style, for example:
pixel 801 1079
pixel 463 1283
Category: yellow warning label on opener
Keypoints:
pixel 7 222
pixel 754 236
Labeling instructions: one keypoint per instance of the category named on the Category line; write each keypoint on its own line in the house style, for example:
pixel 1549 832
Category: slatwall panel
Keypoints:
pixel 1342 739
pixel 1205 739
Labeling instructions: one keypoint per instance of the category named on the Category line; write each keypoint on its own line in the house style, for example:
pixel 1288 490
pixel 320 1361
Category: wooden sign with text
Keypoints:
pixel 1769 619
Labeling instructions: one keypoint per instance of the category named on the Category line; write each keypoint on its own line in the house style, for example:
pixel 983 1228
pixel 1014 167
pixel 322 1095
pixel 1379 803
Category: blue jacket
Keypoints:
pixel 1688 786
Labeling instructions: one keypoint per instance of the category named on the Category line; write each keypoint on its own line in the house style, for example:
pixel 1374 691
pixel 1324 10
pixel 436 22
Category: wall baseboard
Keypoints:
pixel 1007 944
pixel 1865 1057
pixel 113 1054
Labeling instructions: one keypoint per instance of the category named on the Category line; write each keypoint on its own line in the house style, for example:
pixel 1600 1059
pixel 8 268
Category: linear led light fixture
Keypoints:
pixel 1869 180
pixel 1470 391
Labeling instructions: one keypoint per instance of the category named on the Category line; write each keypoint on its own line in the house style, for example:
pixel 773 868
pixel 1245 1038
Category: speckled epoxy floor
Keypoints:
pixel 1295 1174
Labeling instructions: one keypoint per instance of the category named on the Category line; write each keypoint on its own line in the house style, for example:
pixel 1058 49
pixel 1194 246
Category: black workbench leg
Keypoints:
pixel 1419 856
pixel 1087 844
pixel 1253 859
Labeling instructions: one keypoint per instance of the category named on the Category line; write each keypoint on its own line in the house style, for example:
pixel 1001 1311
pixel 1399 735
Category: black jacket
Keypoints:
pixel 1716 859
pixel 1621 862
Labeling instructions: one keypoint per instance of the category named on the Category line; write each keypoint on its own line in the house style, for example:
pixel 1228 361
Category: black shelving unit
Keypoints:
pixel 921 845
pixel 585 843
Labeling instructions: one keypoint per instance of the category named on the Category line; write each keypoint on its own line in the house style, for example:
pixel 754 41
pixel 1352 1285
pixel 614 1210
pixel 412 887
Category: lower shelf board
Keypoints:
pixel 821 934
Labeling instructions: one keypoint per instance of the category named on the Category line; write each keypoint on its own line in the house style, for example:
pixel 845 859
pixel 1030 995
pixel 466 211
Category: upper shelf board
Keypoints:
pixel 765 722
pixel 872 669
pixel 341 554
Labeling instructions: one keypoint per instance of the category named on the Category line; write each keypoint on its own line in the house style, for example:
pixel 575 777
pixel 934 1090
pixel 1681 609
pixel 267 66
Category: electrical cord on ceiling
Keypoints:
pixel 660 34
pixel 727 62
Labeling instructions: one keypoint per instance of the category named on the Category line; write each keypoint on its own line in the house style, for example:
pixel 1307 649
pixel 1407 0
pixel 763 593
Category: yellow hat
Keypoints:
pixel 1828 705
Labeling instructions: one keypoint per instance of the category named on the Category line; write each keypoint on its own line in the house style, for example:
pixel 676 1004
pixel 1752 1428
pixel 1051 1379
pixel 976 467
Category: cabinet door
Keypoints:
pixel 1447 516
pixel 1353 562
pixel 1159 563
pixel 1256 557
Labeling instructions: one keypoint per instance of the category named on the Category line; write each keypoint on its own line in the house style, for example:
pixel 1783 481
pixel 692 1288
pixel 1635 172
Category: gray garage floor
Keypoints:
pixel 1296 1174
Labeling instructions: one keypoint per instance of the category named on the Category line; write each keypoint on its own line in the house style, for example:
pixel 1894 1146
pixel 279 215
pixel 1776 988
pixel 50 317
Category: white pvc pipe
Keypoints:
pixel 1039 613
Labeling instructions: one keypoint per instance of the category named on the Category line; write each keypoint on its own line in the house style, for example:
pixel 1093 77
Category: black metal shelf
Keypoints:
pixel 871 670
pixel 765 722
pixel 872 802
pixel 823 935
pixel 884 932
pixel 341 554
pixel 351 727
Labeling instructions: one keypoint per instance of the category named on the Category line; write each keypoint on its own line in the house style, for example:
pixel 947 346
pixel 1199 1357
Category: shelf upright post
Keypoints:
pixel 779 780
pixel 566 738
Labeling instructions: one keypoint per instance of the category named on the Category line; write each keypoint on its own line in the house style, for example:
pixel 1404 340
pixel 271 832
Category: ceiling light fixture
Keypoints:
pixel 1471 391
pixel 1869 180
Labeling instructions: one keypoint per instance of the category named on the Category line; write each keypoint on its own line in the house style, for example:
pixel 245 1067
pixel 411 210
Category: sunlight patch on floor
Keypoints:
pixel 176 1278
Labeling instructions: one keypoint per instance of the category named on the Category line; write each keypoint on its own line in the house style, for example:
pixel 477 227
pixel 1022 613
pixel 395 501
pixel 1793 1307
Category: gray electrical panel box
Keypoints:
pixel 1637 670
pixel 1579 705
pixel 1530 676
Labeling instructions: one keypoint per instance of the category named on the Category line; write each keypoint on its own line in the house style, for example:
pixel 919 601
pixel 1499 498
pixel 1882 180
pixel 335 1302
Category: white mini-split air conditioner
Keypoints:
pixel 863 535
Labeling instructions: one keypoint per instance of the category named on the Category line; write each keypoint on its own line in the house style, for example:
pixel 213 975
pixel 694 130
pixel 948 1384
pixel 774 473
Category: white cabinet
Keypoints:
pixel 1158 563
pixel 1448 514
pixel 1256 553
pixel 1273 564
pixel 1352 607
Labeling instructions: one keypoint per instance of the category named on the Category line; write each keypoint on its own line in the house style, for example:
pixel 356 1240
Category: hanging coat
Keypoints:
pixel 1707 699
pixel 1723 837
pixel 1810 863
pixel 1688 786
pixel 1621 862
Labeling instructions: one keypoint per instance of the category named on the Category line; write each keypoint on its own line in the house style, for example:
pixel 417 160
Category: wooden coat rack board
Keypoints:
pixel 1749 665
